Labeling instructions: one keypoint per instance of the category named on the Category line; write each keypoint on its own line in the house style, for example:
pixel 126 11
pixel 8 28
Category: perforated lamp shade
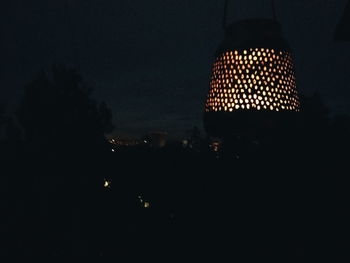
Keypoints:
pixel 253 79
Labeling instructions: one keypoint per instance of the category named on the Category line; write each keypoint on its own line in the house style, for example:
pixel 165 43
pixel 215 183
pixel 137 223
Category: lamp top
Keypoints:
pixel 253 33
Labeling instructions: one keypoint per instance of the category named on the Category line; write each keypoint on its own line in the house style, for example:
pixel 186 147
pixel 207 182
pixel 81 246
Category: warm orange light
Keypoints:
pixel 264 74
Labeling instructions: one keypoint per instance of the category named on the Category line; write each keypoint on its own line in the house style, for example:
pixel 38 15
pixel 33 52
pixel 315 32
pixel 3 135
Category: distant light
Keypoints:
pixel 107 184
pixel 113 150
pixel 145 141
pixel 144 204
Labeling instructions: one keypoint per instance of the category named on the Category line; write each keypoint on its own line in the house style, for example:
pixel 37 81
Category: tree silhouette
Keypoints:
pixel 59 117
pixel 10 136
pixel 65 150
pixel 2 121
pixel 341 124
pixel 315 114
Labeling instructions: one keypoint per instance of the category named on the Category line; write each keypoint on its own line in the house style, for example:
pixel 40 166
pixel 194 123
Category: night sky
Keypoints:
pixel 151 60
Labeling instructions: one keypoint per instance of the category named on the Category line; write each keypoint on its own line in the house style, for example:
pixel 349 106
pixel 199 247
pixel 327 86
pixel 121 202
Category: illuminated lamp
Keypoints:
pixel 253 84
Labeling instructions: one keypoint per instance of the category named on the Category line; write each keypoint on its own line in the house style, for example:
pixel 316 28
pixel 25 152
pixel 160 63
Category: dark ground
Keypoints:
pixel 269 204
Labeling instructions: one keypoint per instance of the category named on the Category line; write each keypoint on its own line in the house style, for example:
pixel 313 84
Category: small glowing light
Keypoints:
pixel 113 150
pixel 146 205
pixel 107 184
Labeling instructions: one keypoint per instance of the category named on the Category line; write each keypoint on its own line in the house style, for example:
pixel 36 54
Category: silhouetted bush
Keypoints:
pixel 60 119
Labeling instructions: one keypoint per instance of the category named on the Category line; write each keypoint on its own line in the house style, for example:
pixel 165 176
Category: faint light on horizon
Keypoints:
pixel 145 204
pixel 107 183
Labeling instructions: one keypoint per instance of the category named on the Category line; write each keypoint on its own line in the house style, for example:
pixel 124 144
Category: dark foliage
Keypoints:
pixel 60 119
pixel 280 196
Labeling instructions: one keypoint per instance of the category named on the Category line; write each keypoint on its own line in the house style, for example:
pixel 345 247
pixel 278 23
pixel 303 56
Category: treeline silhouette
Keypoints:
pixel 281 196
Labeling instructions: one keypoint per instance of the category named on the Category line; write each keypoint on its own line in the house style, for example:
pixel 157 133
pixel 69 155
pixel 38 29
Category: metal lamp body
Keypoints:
pixel 253 85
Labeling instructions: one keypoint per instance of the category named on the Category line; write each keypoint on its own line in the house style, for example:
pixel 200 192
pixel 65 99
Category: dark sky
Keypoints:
pixel 151 60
